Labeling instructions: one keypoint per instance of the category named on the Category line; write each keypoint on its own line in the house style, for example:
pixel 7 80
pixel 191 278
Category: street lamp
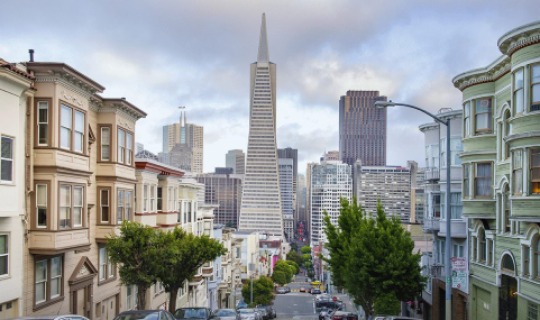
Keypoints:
pixel 448 239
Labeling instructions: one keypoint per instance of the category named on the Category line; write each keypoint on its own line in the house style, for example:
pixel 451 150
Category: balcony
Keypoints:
pixel 196 280
pixel 431 224
pixel 431 174
pixel 207 271
pixel 55 241
pixel 63 159
pixel 459 229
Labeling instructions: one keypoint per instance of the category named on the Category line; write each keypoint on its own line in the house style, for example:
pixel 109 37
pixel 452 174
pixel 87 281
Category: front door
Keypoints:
pixel 508 298
pixel 109 308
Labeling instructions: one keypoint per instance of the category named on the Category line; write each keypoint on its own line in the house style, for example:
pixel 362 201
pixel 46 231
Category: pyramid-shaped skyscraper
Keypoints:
pixel 261 201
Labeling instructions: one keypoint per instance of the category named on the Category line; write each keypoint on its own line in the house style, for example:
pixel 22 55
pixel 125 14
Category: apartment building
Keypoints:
pixel 501 184
pixel 16 96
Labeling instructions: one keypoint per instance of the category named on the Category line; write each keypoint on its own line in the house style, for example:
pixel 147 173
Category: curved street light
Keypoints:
pixel 448 239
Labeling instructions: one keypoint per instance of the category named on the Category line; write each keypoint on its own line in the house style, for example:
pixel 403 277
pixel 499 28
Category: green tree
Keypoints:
pixel 294 266
pixel 295 256
pixel 286 269
pixel 372 257
pixel 136 251
pixel 306 250
pixel 279 277
pixel 263 291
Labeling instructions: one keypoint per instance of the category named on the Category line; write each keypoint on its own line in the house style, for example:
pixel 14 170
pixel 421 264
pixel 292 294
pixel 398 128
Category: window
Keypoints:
pixel 483 120
pixel 517 172
pixel 131 298
pixel 145 198
pixel 518 91
pixel 481 246
pixel 536 257
pixel 505 209
pixel 505 147
pixel 526 260
pixel 152 198
pixel 159 199
pixel 535 171
pixel 41 205
pixel 535 87
pixel 43 123
pixel 170 199
pixel 123 211
pixel 6 162
pixel 71 206
pixel 48 279
pixel 105 144
pixel 107 269
pixel 482 180
pixel 466 177
pixel 455 205
pixel 467 119
pixel 104 205
pixel 458 250
pixel 125 147
pixel 436 205
pixel 72 130
pixel 4 255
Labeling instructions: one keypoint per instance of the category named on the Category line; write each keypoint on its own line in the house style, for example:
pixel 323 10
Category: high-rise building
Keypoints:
pixel 236 159
pixel 290 153
pixel 224 190
pixel 287 192
pixel 362 128
pixel 261 199
pixel 183 145
pixel 330 181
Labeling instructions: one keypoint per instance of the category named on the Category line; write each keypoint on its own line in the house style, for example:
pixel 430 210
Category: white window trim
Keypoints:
pixel 11 160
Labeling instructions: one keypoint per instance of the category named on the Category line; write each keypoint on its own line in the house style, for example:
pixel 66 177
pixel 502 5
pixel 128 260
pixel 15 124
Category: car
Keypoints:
pixel 55 317
pixel 248 314
pixel 281 290
pixel 343 315
pixel 324 314
pixel 225 314
pixel 270 310
pixel 193 313
pixel 315 291
pixel 145 314
pixel 302 289
pixel 264 312
pixel 241 304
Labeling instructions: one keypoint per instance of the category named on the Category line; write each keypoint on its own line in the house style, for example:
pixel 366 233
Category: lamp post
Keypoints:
pixel 448 239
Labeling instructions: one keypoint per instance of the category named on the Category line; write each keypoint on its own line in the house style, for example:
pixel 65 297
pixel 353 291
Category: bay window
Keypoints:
pixel 535 87
pixel 517 172
pixel 41 205
pixel 6 159
pixel 483 122
pixel 107 270
pixel 42 123
pixel 125 147
pixel 72 129
pixel 518 91
pixel 483 180
pixel 535 170
pixel 123 211
pixel 104 205
pixel 105 139
pixel 466 179
pixel 48 279
pixel 71 206
pixel 467 119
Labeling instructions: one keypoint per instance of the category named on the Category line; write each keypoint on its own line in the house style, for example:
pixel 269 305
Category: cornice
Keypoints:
pixel 491 73
pixel 531 134
pixel 520 37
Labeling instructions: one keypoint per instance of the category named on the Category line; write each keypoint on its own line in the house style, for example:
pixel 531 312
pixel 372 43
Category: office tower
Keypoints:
pixel 362 128
pixel 389 185
pixel 287 191
pixel 183 145
pixel 236 159
pixel 224 190
pixel 290 153
pixel 330 181
pixel 261 200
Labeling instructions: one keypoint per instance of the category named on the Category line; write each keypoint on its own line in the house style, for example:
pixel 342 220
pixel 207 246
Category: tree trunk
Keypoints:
pixel 141 297
pixel 172 299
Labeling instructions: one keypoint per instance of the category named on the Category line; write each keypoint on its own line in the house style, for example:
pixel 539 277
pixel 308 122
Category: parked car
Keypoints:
pixel 193 313
pixel 56 317
pixel 241 304
pixel 324 314
pixel 264 313
pixel 343 315
pixel 145 314
pixel 302 289
pixel 315 291
pixel 248 314
pixel 225 314
pixel 270 310
pixel 282 290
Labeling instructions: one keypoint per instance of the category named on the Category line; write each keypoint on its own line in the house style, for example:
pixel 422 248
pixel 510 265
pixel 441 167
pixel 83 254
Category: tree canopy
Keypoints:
pixel 283 272
pixel 263 291
pixel 372 257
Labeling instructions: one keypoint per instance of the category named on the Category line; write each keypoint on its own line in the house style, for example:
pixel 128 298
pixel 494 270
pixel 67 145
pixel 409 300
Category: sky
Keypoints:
pixel 162 54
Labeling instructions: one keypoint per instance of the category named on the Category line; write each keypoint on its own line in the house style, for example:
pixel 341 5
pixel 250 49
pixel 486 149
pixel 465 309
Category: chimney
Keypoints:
pixel 31 51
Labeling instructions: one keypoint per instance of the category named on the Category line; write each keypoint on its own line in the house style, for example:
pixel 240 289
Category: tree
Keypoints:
pixel 295 256
pixel 279 277
pixel 305 250
pixel 183 254
pixel 372 257
pixel 283 267
pixel 263 291
pixel 136 250
pixel 294 266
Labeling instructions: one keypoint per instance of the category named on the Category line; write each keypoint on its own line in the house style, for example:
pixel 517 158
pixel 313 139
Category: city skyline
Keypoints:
pixel 407 51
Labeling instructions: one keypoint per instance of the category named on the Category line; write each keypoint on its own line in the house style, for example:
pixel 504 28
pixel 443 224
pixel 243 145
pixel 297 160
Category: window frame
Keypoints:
pixel 488 113
pixel 5 254
pixel 478 178
pixel 72 129
pixel 124 146
pixel 535 191
pixel 466 194
pixel 532 85
pixel 104 205
pixel 47 281
pixel 109 268
pixel 102 145
pixel 518 88
pixel 48 213
pixel 124 202
pixel 72 187
pixel 50 116
pixel 10 160
pixel 467 119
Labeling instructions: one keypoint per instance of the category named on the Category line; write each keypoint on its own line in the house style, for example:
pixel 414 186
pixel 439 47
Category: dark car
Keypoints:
pixel 145 314
pixel 269 310
pixel 343 315
pixel 193 313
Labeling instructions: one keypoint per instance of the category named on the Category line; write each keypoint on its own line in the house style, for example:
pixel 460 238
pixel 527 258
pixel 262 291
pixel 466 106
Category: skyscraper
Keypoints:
pixel 287 191
pixel 183 145
pixel 236 159
pixel 362 128
pixel 261 199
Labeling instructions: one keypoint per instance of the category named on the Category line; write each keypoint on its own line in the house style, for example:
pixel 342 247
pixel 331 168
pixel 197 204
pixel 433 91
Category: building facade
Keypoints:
pixel 225 191
pixel 236 159
pixel 261 200
pixel 501 143
pixel 330 181
pixel 389 185
pixel 362 128
pixel 433 181
pixel 287 195
pixel 16 96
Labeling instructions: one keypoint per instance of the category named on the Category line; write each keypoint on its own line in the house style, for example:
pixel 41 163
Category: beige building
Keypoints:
pixel 16 94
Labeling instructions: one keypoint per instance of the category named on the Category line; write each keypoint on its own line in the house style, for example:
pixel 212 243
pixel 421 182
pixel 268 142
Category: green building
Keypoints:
pixel 501 178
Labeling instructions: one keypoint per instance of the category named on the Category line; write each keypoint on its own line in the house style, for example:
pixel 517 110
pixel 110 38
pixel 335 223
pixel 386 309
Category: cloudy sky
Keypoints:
pixel 161 54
